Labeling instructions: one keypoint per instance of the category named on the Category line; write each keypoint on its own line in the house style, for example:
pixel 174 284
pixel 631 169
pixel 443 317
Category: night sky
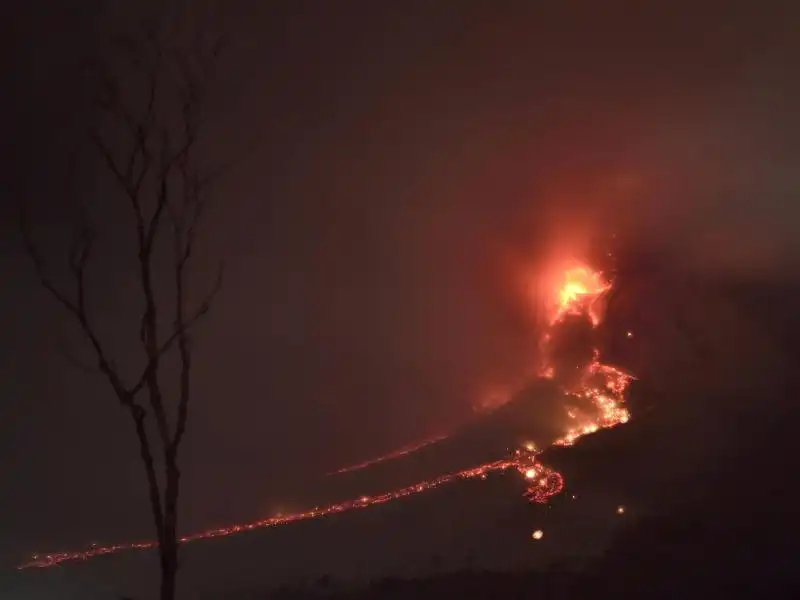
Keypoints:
pixel 408 164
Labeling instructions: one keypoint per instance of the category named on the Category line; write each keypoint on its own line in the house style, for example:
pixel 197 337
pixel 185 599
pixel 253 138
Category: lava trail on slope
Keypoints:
pixel 587 394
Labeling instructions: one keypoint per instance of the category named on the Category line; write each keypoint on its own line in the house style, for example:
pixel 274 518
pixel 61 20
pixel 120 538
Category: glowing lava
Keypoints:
pixel 56 558
pixel 390 456
pixel 579 294
pixel 579 291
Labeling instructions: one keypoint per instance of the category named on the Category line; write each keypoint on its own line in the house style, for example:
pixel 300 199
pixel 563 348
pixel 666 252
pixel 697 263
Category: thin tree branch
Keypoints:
pixel 62 346
pixel 201 311
pixel 78 261
pixel 146 228
pixel 149 328
pixel 183 341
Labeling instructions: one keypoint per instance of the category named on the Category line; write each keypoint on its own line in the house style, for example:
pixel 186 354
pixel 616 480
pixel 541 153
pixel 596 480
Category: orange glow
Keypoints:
pixel 574 290
pixel 481 472
pixel 579 292
pixel 390 456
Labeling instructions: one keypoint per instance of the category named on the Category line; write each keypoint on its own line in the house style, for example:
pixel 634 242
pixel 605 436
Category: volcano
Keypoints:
pixel 710 421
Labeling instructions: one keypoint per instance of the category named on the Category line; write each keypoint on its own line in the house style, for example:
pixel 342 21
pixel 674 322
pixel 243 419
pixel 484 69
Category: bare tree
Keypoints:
pixel 147 141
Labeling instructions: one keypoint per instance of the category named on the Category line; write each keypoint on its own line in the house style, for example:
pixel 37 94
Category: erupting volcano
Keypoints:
pixel 593 395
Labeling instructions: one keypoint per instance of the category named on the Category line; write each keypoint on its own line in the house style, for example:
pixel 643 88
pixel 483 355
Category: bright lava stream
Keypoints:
pixel 604 386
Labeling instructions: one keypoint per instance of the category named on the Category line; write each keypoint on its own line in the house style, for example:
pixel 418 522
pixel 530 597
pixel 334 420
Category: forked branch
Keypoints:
pixel 77 306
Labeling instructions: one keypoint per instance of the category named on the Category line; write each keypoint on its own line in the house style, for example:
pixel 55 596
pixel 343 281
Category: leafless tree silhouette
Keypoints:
pixel 147 141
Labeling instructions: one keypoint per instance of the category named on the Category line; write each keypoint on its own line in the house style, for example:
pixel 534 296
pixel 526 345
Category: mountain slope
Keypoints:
pixel 711 435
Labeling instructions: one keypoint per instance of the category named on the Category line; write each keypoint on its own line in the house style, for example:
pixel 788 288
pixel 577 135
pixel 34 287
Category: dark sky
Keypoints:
pixel 414 160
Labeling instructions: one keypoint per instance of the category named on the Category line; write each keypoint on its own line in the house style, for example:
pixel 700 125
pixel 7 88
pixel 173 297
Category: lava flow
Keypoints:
pixel 578 298
pixel 597 387
pixel 390 456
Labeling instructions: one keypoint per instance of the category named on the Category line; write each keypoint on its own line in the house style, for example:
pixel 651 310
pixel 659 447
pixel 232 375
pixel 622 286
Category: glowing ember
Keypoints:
pixel 579 294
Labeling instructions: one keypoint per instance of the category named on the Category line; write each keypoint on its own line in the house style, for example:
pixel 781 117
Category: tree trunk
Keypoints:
pixel 169 544
pixel 169 570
